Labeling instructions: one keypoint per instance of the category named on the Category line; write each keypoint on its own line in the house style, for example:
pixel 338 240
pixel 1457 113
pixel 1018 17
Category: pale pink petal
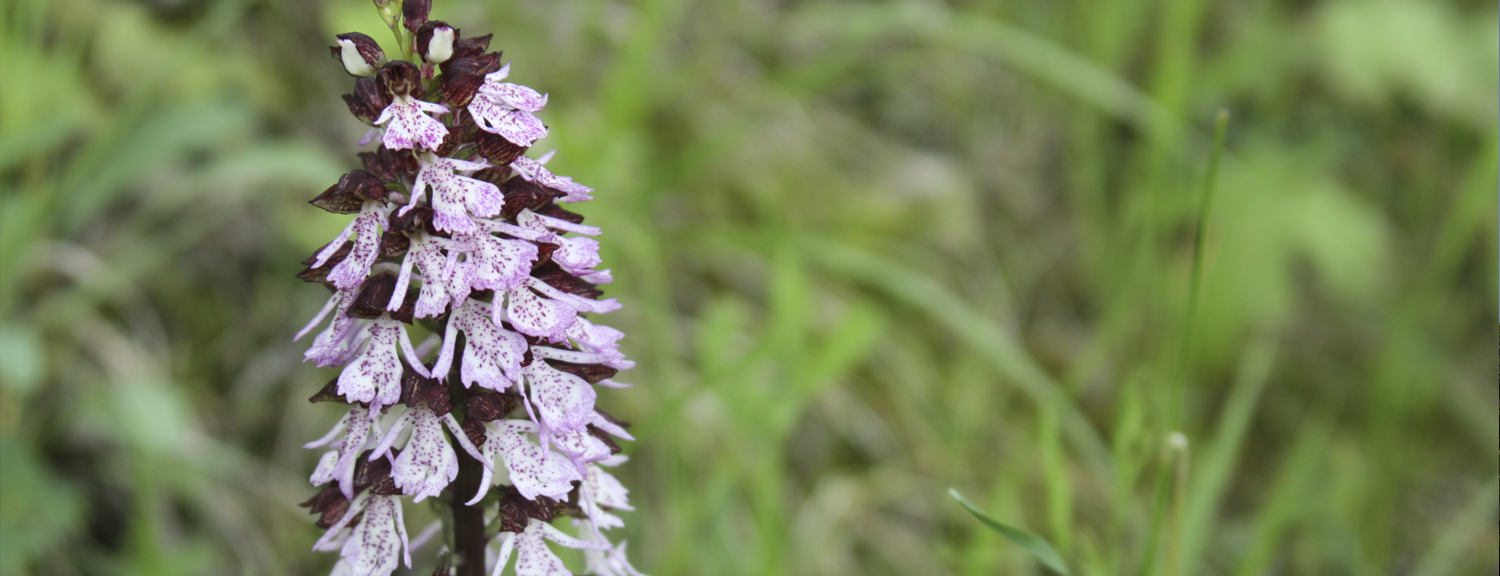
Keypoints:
pixel 375 375
pixel 534 471
pixel 563 402
pixel 427 464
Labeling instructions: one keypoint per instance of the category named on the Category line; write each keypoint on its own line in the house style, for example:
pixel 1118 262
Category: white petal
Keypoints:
pixel 375 376
pixel 533 470
pixel 533 315
pixel 427 464
pixel 375 546
pixel 564 402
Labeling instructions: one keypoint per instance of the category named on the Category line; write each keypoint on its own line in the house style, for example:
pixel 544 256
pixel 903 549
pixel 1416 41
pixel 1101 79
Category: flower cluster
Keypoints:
pixel 457 232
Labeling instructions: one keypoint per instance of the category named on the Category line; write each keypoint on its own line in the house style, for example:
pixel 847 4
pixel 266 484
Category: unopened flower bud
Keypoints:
pixel 359 53
pixel 471 47
pixel 401 77
pixel 462 77
pixel 414 13
pixel 435 41
pixel 368 99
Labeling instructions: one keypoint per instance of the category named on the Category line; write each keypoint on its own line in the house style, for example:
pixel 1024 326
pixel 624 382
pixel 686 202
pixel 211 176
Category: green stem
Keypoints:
pixel 1221 126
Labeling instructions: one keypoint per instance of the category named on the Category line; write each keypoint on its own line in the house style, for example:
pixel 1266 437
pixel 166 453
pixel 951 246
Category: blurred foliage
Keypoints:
pixel 868 251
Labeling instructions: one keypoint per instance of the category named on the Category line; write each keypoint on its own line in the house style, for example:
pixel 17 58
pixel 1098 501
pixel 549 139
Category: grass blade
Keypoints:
pixel 1032 543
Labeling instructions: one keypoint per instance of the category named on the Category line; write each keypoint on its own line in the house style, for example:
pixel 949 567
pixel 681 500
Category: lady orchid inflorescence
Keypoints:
pixel 454 229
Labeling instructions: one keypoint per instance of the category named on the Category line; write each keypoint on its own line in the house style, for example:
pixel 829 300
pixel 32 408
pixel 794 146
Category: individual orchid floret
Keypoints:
pixel 507 109
pixel 536 171
pixel 339 463
pixel 559 401
pixel 601 490
pixel 497 263
pixel 533 558
pixel 435 41
pixel 577 255
pixel 375 375
pixel 427 463
pixel 336 344
pixel 492 355
pixel 585 446
pixel 377 541
pixel 454 196
pixel 360 54
pixel 407 124
pixel 594 337
pixel 438 289
pixel 537 316
pixel 366 230
pixel 534 470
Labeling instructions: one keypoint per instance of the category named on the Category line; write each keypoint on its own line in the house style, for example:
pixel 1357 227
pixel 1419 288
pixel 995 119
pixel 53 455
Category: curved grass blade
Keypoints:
pixel 1030 542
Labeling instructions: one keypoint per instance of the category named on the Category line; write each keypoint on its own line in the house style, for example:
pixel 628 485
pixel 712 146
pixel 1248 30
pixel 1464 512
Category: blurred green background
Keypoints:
pixel 868 251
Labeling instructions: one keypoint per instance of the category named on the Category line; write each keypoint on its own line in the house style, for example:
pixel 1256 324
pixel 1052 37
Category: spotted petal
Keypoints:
pixel 408 125
pixel 534 471
pixel 375 376
pixel 563 402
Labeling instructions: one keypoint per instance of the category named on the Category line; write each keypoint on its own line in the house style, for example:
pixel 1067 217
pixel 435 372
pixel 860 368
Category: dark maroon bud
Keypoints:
pixel 559 213
pixel 329 393
pixel 521 194
pixel 544 252
pixel 591 373
pixel 496 175
pixel 401 78
pixel 419 218
pixel 462 77
pixel 474 430
pixel 373 296
pixel 415 390
pixel 485 407
pixel 375 475
pixel 394 244
pixel 497 149
pixel 471 47
pixel 414 14
pixel 608 440
pixel 368 100
pixel 560 279
pixel 351 192
pixel 390 165
pixel 330 503
pixel 516 511
pixel 435 41
pixel 456 134
pixel 359 53
pixel 320 273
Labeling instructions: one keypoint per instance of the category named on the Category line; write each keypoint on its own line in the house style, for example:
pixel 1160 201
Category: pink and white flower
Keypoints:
pixel 507 109
pixel 408 126
pixel 536 171
pixel 454 196
pixel 533 558
pixel 339 462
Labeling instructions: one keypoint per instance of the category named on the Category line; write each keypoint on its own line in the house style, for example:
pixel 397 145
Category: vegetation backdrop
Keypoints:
pixel 868 251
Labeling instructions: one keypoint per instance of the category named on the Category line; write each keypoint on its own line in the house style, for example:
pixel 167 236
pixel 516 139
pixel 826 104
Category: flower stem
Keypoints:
pixel 468 521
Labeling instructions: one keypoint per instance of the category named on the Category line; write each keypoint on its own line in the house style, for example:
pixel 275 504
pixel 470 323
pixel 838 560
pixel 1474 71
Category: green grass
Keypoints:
pixel 868 252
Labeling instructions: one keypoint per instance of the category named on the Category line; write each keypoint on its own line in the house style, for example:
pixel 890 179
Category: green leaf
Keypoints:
pixel 1031 542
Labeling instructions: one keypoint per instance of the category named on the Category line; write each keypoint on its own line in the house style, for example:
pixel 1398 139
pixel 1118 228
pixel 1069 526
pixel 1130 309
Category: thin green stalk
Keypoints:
pixel 1221 127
